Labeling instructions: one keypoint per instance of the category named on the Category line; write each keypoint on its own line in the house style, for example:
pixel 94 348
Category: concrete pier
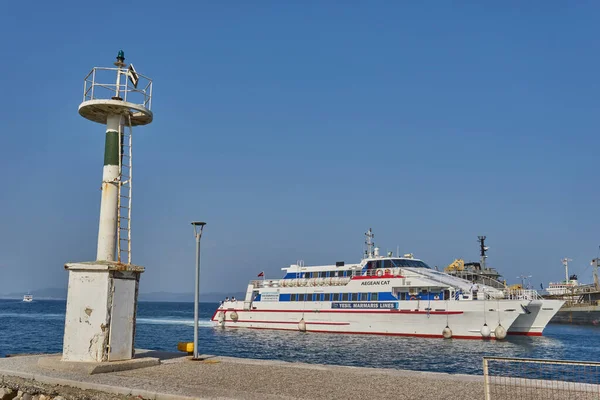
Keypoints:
pixel 177 377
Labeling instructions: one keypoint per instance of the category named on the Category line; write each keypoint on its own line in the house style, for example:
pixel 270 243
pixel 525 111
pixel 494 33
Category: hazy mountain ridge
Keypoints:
pixel 61 294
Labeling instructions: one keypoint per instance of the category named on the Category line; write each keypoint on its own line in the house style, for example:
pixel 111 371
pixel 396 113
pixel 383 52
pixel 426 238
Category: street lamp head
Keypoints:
pixel 198 227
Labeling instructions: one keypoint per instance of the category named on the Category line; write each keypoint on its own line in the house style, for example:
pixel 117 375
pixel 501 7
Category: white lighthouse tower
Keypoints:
pixel 102 296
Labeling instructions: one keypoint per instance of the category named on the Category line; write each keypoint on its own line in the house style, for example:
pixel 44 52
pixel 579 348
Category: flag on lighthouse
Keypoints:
pixel 262 273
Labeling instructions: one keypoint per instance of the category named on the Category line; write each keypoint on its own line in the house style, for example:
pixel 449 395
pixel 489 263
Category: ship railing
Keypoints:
pixel 387 272
pixel 260 283
pixel 300 282
pixel 524 378
pixel 521 294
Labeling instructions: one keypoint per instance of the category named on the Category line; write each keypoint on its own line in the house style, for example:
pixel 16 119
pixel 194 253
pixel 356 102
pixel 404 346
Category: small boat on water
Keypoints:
pixel 380 295
pixel 28 298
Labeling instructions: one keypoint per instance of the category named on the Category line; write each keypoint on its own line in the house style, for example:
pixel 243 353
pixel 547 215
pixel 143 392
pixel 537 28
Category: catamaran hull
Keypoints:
pixel 534 322
pixel 465 319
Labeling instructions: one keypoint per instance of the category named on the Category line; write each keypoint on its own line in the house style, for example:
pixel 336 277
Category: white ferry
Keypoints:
pixel 380 295
pixel 27 298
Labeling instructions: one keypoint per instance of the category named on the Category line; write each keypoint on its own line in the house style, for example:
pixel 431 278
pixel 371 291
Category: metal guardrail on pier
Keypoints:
pixel 533 379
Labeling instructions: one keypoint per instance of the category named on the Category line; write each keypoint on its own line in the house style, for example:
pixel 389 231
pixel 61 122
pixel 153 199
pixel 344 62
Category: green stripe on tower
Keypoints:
pixel 111 148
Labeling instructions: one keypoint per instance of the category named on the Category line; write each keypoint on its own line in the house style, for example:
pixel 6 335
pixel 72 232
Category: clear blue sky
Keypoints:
pixel 292 127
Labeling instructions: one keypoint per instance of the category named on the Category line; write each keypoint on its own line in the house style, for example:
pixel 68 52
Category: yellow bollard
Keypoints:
pixel 186 347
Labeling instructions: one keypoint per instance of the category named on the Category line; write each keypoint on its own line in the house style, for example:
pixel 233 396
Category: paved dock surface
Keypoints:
pixel 234 378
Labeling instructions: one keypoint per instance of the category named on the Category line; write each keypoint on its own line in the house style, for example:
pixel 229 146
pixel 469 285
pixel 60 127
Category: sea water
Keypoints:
pixel 38 327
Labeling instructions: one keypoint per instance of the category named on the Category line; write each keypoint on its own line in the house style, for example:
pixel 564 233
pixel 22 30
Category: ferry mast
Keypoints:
pixel 369 242
pixel 482 250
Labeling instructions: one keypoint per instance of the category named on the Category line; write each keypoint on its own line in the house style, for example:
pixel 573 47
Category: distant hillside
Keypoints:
pixel 61 294
pixel 41 294
pixel 188 297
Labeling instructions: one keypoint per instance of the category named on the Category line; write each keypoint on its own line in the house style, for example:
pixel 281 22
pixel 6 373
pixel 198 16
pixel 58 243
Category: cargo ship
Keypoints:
pixel 582 301
pixel 538 313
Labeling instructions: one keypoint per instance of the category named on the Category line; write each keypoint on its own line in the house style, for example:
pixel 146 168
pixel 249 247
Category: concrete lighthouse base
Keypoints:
pixel 101 311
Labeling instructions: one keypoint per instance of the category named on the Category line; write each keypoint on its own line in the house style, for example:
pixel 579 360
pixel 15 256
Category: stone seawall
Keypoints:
pixel 14 388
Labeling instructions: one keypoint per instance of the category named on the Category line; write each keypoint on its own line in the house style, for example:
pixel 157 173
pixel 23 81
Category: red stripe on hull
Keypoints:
pixel 385 276
pixel 421 335
pixel 393 311
pixel 288 322
pixel 525 333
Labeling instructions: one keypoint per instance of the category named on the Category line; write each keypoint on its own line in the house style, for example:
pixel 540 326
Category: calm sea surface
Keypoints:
pixel 38 327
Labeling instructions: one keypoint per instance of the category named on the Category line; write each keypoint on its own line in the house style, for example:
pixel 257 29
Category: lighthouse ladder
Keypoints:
pixel 124 200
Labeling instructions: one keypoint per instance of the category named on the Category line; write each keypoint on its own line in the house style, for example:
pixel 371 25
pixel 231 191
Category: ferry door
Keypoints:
pixel 249 302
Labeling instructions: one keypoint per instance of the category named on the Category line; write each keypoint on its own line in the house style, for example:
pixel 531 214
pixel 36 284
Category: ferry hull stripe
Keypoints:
pixel 525 333
pixel 374 333
pixel 286 322
pixel 342 311
pixel 388 276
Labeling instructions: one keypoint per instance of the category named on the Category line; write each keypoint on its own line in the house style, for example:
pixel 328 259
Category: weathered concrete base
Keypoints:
pixel 55 363
pixel 101 307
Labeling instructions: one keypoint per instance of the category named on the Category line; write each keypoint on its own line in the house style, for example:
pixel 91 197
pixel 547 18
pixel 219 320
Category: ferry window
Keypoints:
pixel 387 264
pixel 301 297
pixel 402 296
pixel 354 296
pixel 344 296
pixel 424 291
pixel 307 275
pixel 315 296
pixel 336 297
pixel 374 296
pixel 293 298
pixel 327 296
pixel 322 274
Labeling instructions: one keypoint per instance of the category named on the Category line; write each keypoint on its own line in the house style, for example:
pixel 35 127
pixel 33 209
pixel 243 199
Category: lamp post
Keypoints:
pixel 198 227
